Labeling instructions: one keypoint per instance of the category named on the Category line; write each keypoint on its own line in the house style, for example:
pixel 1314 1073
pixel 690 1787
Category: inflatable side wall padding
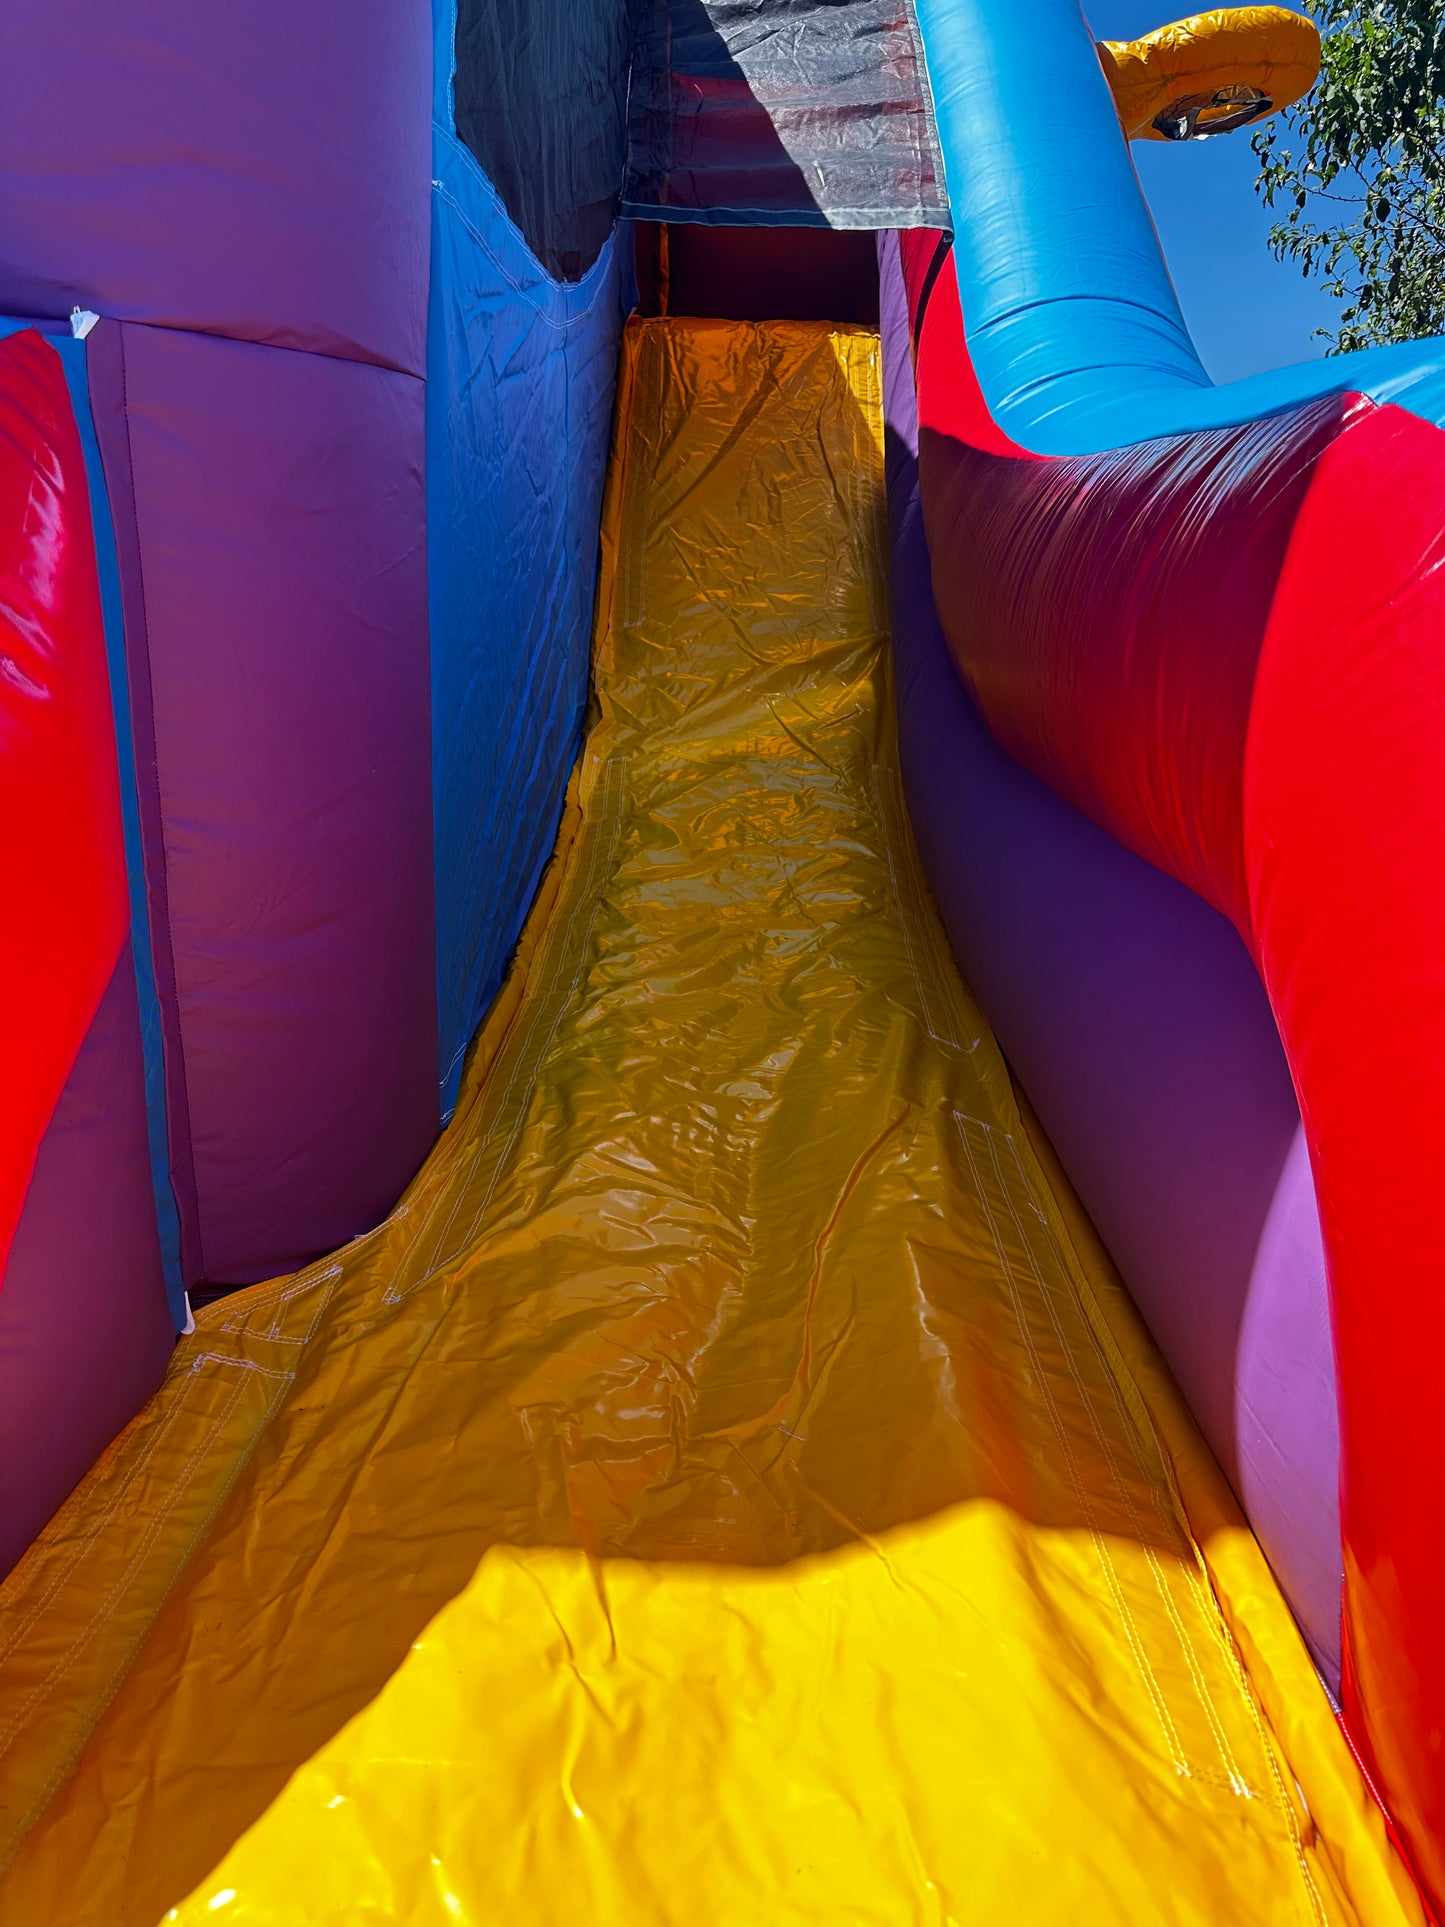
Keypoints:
pixel 155 160
pixel 85 1326
pixel 521 371
pixel 1235 596
pixel 257 374
pixel 311 950
pixel 275 583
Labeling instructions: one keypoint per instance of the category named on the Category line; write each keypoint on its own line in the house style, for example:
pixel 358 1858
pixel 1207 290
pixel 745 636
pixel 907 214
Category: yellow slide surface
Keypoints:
pixel 730 1490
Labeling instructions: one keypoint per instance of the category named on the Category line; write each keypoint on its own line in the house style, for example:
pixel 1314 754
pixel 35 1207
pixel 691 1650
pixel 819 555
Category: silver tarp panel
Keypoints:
pixel 782 113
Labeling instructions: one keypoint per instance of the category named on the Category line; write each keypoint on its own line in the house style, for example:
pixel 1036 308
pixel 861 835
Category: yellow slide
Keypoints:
pixel 731 1490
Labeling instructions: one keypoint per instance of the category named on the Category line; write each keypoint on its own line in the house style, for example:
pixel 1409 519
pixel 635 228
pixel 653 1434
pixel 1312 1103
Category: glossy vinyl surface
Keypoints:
pixel 730 1486
pixel 85 1329
pixel 1133 1015
pixel 1270 50
pixel 519 367
pixel 271 529
pixel 788 113
pixel 1233 667
pixel 62 858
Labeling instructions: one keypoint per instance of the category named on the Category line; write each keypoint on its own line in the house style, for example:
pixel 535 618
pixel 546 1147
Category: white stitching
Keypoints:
pixel 1111 1577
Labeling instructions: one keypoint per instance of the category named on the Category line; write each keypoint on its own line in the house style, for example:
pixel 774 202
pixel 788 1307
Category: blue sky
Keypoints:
pixel 1246 310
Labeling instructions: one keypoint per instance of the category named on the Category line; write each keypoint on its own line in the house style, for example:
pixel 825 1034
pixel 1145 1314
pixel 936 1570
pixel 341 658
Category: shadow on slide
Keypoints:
pixel 716 1491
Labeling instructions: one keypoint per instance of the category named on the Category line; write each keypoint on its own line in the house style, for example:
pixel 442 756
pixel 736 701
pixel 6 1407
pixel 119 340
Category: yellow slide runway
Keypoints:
pixel 730 1491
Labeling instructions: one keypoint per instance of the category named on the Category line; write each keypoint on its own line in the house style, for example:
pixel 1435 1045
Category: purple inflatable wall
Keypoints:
pixel 1135 1020
pixel 243 196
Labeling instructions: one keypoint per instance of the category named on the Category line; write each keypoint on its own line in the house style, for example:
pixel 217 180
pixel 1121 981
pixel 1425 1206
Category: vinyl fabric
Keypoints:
pixel 538 96
pixel 728 1485
pixel 85 1329
pixel 1230 598
pixel 1133 1015
pixel 1271 51
pixel 521 372
pixel 790 113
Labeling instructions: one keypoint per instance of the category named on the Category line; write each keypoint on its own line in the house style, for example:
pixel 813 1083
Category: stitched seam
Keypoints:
pixel 85 1632
pixel 69 1755
pixel 7 1731
pixel 278 1302
pixel 66 1567
pixel 1111 1577
pixel 1163 1512
pixel 325 1284
pixel 557 289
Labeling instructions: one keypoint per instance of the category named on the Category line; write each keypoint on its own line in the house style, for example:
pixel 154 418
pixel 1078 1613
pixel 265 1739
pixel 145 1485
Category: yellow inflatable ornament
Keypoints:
pixel 1211 73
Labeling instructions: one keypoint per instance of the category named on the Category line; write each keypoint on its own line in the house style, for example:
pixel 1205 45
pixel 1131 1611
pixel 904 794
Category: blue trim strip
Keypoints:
pixel 72 356
pixel 1073 322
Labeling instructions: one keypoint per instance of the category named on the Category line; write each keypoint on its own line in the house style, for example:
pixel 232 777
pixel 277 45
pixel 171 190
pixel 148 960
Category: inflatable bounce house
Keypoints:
pixel 724 988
